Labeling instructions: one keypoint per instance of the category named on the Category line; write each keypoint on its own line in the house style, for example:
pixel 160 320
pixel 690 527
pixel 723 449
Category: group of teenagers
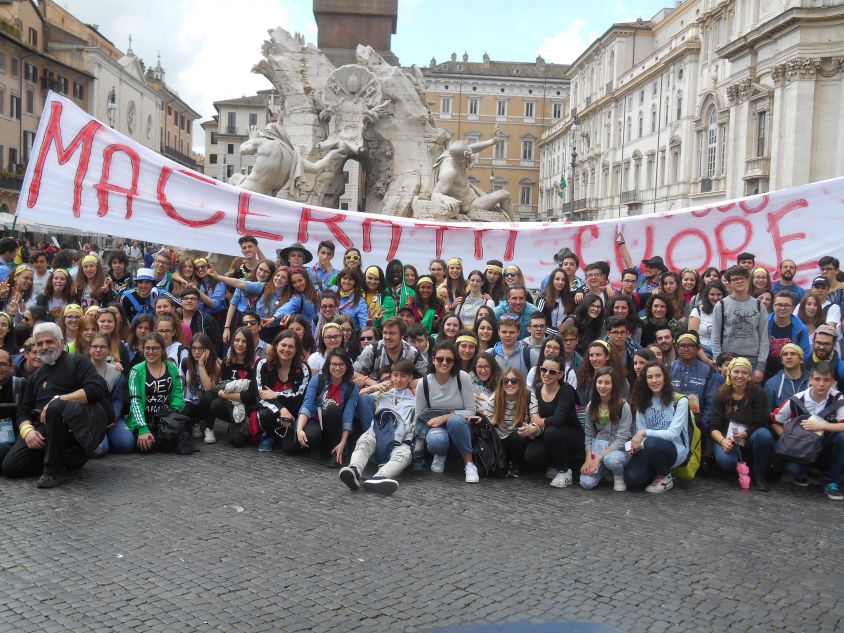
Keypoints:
pixel 633 385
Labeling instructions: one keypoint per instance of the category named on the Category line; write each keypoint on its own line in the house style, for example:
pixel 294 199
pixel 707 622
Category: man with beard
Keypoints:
pixel 788 269
pixel 823 350
pixel 63 415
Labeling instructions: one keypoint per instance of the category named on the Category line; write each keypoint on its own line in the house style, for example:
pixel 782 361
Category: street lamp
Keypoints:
pixel 575 129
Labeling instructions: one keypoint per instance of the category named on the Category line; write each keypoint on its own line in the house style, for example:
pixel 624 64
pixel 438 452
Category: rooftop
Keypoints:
pixel 538 69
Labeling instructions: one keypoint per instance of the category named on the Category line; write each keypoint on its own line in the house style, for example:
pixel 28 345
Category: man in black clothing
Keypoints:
pixel 11 391
pixel 63 416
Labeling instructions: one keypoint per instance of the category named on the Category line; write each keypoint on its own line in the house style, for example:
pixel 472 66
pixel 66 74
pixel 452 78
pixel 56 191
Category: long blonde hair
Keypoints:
pixel 520 411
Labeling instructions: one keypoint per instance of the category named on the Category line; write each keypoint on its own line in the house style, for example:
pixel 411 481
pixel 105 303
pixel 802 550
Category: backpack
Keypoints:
pixel 688 469
pixel 384 425
pixel 427 389
pixel 798 445
pixel 488 451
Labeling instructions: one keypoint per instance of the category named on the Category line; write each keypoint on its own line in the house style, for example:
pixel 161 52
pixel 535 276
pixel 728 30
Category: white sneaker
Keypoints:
pixel 562 480
pixel 438 465
pixel 551 472
pixel 661 484
pixel 618 484
pixel 471 473
pixel 210 438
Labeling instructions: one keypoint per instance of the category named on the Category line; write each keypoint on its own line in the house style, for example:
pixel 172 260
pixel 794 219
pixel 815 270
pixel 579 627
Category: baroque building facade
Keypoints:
pixel 707 101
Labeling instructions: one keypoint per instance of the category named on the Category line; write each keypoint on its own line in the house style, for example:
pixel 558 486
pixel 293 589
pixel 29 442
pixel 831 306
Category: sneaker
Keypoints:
pixel 618 484
pixel 210 438
pixel 438 465
pixel 381 484
pixel 661 484
pixel 562 480
pixel 265 445
pixel 351 477
pixel 761 483
pixel 46 481
pixel 551 472
pixel 801 480
pixel 513 470
pixel 833 492
pixel 195 432
pixel 471 473
pixel 417 464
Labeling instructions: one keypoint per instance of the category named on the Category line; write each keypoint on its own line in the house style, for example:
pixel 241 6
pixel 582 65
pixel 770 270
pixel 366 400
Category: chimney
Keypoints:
pixel 540 63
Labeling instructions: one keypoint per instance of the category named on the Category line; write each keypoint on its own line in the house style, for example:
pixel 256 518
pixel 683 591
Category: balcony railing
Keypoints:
pixel 706 185
pixel 231 129
pixel 572 207
pixel 756 167
pixel 179 157
pixel 629 197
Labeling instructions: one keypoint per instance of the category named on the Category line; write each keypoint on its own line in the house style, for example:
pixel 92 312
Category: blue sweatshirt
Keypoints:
pixel 696 379
pixel 668 423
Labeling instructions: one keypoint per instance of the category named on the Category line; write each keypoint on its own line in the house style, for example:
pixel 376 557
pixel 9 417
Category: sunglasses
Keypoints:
pixel 443 360
pixel 511 274
pixel 250 323
pixel 354 258
pixel 512 381
pixel 548 370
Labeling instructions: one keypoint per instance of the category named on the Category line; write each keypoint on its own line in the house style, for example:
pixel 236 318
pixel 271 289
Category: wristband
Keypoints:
pixel 227 327
pixel 26 429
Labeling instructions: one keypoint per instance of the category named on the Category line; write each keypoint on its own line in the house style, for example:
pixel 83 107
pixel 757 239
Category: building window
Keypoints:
pixel 761 132
pixel 501 108
pixel 168 138
pixel 169 111
pixel 253 119
pixel 344 206
pixel 711 143
pixel 3 69
pixel 15 69
pixel 230 148
pixel 2 156
pixel 231 122
pixel 472 137
pixel 556 110
pixel 525 192
pixel 28 142
pixel 33 37
pixel 62 81
pixel 641 96
pixel 530 109
pixel 214 136
pixel 13 157
pixel 229 171
pixel 445 105
pixel 667 109
pixel 679 105
pixel 527 149
pixel 654 89
pixel 499 150
pixel 653 119
pixel 78 91
pixel 30 73
pixel 30 102
pixel 212 159
pixel 641 128
pixel 629 128
pixel 718 23
pixel 474 106
pixel 15 107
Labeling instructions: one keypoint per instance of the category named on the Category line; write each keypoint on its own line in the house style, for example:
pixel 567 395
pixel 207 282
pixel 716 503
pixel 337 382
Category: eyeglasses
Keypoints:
pixel 353 258
pixel 537 325
pixel 443 360
pixel 549 370
pixel 250 323
pixel 337 365
pixel 152 349
pixel 346 331
pixel 98 347
pixel 202 267
pixel 367 338
pixel 827 269
pixel 332 337
pixel 164 331
pixel 512 381
pixel 197 348
pixel 327 306
pixel 784 306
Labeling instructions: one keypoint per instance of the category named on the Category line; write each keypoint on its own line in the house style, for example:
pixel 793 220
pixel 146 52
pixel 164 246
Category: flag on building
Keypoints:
pixel 561 188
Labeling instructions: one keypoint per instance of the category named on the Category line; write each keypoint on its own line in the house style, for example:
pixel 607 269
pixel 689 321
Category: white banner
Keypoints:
pixel 84 175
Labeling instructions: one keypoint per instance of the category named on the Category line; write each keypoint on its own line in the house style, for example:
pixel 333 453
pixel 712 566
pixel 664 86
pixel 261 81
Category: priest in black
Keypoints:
pixel 63 415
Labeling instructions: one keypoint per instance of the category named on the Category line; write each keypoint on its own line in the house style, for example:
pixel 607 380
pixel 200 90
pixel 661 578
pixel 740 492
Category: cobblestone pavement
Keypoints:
pixel 234 540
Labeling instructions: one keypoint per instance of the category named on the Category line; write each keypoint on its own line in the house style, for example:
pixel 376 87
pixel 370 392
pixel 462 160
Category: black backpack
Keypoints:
pixel 488 451
pixel 797 444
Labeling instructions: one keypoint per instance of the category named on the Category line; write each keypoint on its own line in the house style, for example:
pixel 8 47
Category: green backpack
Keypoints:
pixel 688 469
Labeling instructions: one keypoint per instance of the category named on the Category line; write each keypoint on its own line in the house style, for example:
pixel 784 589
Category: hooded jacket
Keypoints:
pixel 393 300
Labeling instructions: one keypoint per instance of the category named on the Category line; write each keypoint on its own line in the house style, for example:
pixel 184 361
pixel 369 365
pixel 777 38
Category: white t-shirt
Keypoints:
pixel 705 328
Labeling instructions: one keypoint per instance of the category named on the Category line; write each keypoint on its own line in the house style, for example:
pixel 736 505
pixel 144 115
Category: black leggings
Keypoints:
pixel 200 412
pixel 224 410
pixel 560 447
pixel 320 440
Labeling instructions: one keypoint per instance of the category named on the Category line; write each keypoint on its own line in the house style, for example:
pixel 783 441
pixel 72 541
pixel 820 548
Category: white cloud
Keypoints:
pixel 565 46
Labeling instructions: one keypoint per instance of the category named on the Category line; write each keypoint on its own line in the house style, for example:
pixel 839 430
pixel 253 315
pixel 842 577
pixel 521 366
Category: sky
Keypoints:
pixel 208 47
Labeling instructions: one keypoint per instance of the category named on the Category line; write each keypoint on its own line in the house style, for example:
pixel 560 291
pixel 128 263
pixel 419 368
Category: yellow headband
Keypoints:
pixel 92 309
pixel 89 259
pixel 455 261
pixel 494 268
pixel 373 269
pixel 603 344
pixel 424 279
pixel 466 338
pixel 73 308
pixel 200 260
pixel 687 336
pixel 331 325
pixel 739 361
pixel 760 269
pixel 22 268
pixel 794 347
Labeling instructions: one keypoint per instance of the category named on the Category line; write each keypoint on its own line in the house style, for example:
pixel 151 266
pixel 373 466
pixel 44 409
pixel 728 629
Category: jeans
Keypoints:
pixel 456 431
pixel 654 460
pixel 118 439
pixel 614 462
pixel 831 460
pixel 758 451
pixel 366 410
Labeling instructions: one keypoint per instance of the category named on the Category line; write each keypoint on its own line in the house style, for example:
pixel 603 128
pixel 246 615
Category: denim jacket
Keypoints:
pixel 314 397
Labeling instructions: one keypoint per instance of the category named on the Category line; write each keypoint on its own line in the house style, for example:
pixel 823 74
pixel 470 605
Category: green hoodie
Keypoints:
pixel 405 294
pixel 136 421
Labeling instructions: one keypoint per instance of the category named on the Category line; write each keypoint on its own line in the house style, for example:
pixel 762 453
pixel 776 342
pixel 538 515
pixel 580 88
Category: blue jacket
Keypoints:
pixel 218 298
pixel 778 388
pixel 359 313
pixel 699 380
pixel 244 299
pixel 297 305
pixel 799 334
pixel 524 321
pixel 313 400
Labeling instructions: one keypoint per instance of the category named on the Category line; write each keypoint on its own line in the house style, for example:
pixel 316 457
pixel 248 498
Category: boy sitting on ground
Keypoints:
pixel 388 440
